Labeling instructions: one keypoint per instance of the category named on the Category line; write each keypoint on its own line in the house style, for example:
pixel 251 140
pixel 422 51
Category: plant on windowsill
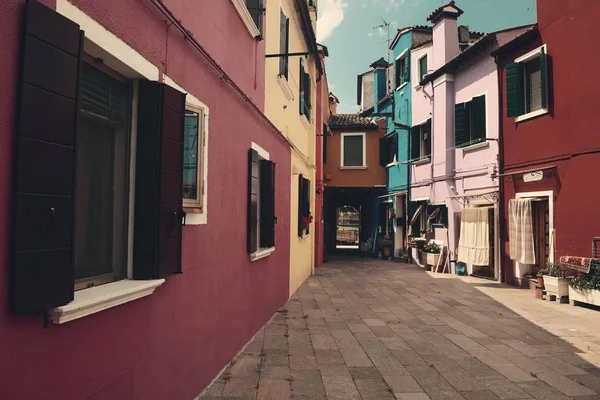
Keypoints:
pixel 306 221
pixel 556 280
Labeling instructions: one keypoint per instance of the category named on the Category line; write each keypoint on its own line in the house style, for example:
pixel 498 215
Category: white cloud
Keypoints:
pixel 331 15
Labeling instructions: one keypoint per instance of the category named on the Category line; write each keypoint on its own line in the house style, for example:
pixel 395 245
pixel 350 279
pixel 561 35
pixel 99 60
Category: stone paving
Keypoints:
pixel 372 329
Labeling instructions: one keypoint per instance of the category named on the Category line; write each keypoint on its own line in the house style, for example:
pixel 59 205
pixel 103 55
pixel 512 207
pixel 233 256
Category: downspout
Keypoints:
pixel 501 217
pixel 431 189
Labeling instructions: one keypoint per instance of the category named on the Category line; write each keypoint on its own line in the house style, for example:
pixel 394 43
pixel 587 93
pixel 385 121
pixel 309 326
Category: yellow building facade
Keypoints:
pixel 290 104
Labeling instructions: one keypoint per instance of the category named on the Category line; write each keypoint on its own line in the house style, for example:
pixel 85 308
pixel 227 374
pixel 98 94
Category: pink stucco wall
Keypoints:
pixel 471 166
pixel 171 344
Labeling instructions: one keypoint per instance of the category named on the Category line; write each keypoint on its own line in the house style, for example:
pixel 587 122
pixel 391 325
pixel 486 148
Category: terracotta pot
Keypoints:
pixel 386 251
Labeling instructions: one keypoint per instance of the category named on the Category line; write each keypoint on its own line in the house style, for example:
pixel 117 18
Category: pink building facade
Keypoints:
pixel 460 91
pixel 190 291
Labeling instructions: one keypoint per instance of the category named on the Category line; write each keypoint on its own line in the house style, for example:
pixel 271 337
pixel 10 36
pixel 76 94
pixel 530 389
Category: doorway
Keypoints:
pixel 347 228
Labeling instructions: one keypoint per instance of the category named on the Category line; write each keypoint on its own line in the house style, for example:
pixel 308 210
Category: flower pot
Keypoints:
pixel 584 296
pixel 558 287
pixel 431 258
pixel 386 252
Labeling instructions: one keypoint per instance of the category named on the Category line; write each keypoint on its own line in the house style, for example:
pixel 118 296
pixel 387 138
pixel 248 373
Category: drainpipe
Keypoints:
pixel 501 217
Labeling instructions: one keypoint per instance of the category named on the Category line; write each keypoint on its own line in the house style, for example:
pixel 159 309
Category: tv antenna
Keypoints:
pixel 388 40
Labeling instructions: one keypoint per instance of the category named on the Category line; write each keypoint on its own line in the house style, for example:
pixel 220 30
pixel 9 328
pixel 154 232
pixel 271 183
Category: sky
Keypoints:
pixel 348 29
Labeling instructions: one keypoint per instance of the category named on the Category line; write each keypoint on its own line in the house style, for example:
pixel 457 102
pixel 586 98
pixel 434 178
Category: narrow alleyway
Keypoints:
pixel 371 329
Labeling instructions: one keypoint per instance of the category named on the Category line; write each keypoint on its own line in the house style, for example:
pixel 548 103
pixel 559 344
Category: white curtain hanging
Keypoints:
pixel 474 243
pixel 520 234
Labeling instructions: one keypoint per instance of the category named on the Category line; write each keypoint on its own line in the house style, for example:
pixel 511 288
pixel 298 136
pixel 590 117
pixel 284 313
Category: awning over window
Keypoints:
pixel 416 214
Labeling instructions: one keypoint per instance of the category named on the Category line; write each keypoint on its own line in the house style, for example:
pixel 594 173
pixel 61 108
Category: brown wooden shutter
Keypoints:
pixel 267 204
pixel 253 188
pixel 42 274
pixel 159 181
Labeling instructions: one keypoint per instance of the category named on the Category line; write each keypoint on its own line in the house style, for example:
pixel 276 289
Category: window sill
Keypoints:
pixel 99 298
pixel 242 10
pixel 262 253
pixel 195 216
pixel 422 161
pixel 357 167
pixel 532 114
pixel 305 121
pixel 306 235
pixel 402 85
pixel 476 146
pixel 285 87
pixel 392 164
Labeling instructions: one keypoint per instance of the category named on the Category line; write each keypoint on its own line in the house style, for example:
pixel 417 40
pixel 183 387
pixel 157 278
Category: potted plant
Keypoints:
pixel 402 255
pixel 386 247
pixel 585 289
pixel 431 251
pixel 556 280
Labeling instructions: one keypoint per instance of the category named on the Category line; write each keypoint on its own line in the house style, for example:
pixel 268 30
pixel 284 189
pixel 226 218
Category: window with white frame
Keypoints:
pixel 251 12
pixel 420 137
pixel 108 199
pixel 261 203
pixel 194 144
pixel 402 69
pixel 353 150
pixel 284 45
pixel 422 67
pixel 527 84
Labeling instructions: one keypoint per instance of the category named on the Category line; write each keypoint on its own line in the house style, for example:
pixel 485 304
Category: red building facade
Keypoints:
pixel 549 147
pixel 186 298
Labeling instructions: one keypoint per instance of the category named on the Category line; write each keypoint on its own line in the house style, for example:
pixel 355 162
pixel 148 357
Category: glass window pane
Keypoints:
pixel 353 151
pixel 190 156
pixel 533 78
pixel 102 178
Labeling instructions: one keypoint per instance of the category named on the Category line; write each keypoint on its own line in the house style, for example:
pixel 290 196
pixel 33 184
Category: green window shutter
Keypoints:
pixel 300 204
pixel 427 138
pixel 422 67
pixel 461 123
pixel 544 77
pixel 514 90
pixel 415 143
pixel 478 113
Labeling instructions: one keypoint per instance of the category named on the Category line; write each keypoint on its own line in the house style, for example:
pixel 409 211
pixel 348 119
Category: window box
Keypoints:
pixel 583 296
pixel 556 286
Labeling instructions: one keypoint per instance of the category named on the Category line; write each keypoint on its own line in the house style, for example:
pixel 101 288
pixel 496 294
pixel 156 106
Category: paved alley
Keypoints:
pixel 372 329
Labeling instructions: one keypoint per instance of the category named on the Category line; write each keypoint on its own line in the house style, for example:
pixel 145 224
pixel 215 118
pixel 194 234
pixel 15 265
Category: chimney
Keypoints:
pixel 380 75
pixel 445 37
pixel 333 102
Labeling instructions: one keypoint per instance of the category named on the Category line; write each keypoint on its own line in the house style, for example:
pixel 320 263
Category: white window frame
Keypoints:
pixel 401 56
pixel 240 6
pixel 472 146
pixel 364 150
pixel 533 54
pixel 129 63
pixel 419 66
pixel 261 252
pixel 196 215
pixel 422 156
